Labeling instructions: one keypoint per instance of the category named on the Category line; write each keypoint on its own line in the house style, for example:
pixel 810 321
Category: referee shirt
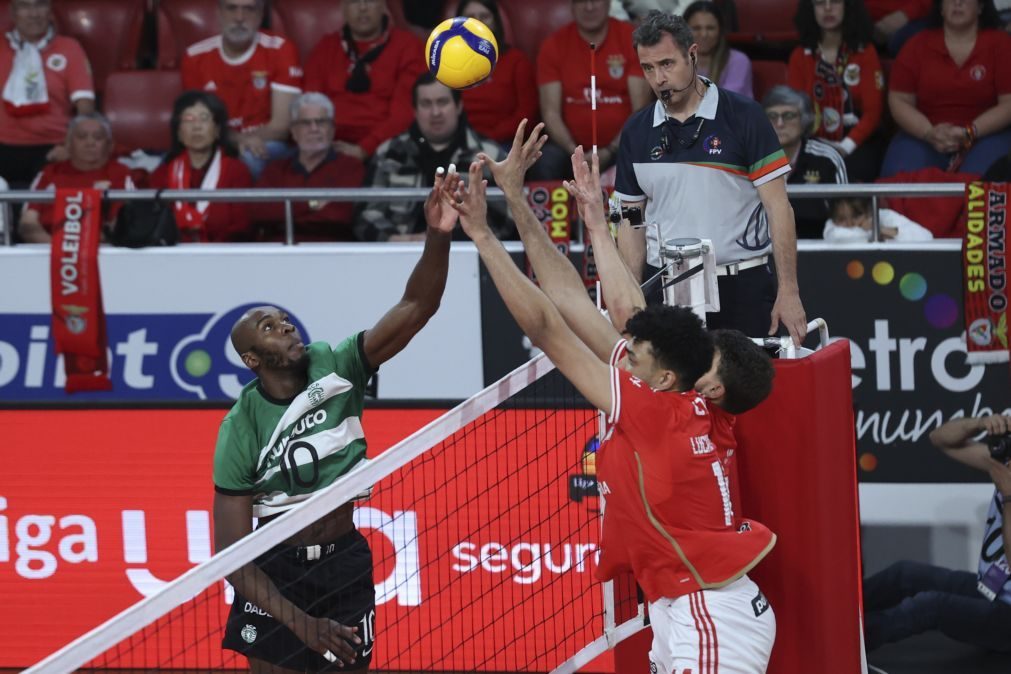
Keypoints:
pixel 699 177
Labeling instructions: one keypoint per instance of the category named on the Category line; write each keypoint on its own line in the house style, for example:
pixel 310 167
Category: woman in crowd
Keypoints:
pixel 203 157
pixel 728 68
pixel 496 108
pixel 838 67
pixel 951 92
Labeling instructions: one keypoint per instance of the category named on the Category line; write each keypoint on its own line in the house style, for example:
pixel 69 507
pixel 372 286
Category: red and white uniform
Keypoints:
pixel 664 470
pixel 111 176
pixel 245 83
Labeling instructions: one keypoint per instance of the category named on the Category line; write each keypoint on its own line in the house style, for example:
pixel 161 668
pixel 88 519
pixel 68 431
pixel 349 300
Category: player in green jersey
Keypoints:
pixel 309 604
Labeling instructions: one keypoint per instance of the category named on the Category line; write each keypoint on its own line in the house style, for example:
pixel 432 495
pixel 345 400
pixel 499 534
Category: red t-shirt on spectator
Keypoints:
pixel 496 107
pixel 68 79
pixel 112 176
pixel 385 110
pixel 565 57
pixel 314 220
pixel 949 93
pixel 245 83
pixel 223 221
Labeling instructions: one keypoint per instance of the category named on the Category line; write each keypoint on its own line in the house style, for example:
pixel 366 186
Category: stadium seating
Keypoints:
pixel 139 107
pixel 766 75
pixel 109 31
pixel 183 22
pixel 765 21
pixel 306 21
pixel 534 20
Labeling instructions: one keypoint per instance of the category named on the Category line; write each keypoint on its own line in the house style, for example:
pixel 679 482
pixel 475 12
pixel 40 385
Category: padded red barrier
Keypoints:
pixel 797 474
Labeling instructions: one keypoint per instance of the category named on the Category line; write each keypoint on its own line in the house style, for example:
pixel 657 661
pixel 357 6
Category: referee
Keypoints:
pixel 706 163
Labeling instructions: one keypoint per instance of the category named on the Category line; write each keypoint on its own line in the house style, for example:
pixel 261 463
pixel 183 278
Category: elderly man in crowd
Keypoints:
pixel 317 164
pixel 89 143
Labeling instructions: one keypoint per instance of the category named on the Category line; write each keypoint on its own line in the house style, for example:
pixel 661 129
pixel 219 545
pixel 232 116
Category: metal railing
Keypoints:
pixel 407 194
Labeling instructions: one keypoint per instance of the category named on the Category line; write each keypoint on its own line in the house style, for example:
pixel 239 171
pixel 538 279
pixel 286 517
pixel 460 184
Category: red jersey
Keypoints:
pixel 946 92
pixel 112 176
pixel 314 220
pixel 68 80
pixel 500 103
pixel 859 111
pixel 670 516
pixel 565 57
pixel 368 118
pixel 244 84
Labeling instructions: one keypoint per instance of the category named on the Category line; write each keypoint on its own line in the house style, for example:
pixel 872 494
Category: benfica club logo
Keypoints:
pixel 74 320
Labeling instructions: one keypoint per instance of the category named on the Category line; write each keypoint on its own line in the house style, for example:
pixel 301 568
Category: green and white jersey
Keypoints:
pixel 284 451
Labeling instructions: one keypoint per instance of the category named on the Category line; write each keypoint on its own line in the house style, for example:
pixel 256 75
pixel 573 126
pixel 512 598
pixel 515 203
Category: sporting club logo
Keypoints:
pixel 248 634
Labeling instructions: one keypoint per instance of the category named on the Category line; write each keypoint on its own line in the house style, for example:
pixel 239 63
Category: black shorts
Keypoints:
pixel 338 585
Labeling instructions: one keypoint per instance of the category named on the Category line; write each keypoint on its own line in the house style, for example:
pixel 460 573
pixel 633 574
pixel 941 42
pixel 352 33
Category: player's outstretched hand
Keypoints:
pixel 471 202
pixel 438 217
pixel 336 642
pixel 585 187
pixel 509 172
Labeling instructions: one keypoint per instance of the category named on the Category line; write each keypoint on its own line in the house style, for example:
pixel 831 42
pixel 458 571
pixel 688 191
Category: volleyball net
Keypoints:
pixel 484 529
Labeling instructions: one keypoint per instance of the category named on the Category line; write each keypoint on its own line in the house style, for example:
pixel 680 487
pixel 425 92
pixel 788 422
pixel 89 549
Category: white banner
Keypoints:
pixel 170 310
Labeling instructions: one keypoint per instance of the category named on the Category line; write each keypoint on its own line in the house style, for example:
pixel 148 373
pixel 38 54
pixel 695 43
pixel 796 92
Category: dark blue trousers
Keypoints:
pixel 908 598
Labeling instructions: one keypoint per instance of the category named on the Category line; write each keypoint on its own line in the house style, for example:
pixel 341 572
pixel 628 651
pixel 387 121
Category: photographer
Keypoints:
pixel 975 608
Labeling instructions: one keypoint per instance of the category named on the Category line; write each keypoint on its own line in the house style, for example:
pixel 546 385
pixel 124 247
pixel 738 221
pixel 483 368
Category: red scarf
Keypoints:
pixel 832 100
pixel 191 218
pixel 78 315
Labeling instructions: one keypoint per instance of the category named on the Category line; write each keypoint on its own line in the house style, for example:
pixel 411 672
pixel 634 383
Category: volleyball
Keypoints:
pixel 461 52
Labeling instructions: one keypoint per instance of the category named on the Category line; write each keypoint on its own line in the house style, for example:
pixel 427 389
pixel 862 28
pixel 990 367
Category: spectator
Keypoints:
pixel 203 156
pixel 563 77
pixel 640 8
pixel 951 92
pixel 851 223
pixel 812 161
pixel 497 107
pixel 729 68
pixel 89 146
pixel 895 21
pixel 48 80
pixel 367 71
pixel 909 598
pixel 438 137
pixel 1000 170
pixel 256 74
pixel 838 67
pixel 317 164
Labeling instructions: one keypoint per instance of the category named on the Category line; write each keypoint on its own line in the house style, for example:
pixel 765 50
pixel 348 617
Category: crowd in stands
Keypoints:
pixel 862 90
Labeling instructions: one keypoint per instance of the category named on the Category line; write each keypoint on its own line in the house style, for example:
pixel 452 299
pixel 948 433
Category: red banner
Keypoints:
pixel 78 316
pixel 984 265
pixel 100 508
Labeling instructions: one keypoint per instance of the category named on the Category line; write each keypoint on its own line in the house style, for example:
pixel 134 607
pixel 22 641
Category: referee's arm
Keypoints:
pixel 788 309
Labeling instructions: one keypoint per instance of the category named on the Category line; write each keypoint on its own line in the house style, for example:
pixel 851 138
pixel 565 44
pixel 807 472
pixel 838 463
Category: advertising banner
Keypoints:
pixel 984 264
pixel 901 308
pixel 483 558
pixel 169 313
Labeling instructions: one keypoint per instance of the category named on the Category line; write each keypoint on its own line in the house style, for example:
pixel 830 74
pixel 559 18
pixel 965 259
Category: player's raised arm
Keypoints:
pixel 424 287
pixel 536 315
pixel 557 277
pixel 621 290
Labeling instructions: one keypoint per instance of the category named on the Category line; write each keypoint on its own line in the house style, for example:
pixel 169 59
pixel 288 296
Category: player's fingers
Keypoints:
pixel 774 323
pixel 518 138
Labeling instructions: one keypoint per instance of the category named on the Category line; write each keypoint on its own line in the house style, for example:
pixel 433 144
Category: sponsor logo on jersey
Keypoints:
pixel 248 634
pixel 164 357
